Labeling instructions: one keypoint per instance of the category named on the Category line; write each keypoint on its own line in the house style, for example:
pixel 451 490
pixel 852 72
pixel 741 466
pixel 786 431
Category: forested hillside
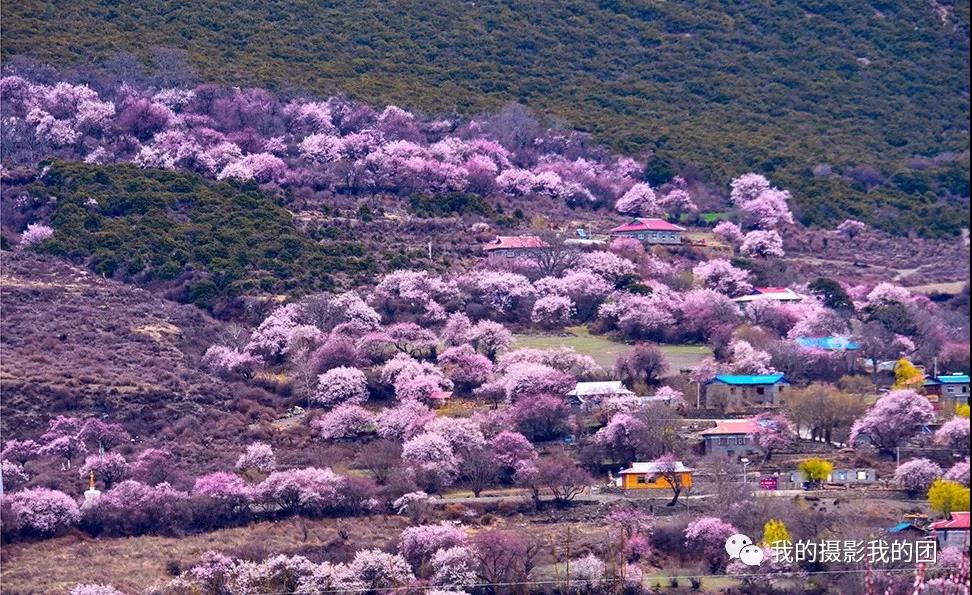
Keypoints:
pixel 859 108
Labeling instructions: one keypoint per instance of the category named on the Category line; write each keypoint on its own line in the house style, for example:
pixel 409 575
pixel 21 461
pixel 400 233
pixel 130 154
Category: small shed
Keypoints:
pixel 907 530
pixel 587 395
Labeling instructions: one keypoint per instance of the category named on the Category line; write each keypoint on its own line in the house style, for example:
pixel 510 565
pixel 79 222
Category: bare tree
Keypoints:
pixel 480 470
pixel 555 258
pixel 877 343
pixel 380 457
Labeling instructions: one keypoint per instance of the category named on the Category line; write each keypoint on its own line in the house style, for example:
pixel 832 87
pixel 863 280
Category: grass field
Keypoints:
pixel 604 351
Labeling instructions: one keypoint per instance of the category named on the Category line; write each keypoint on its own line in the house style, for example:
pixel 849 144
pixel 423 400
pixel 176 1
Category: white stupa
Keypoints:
pixel 91 495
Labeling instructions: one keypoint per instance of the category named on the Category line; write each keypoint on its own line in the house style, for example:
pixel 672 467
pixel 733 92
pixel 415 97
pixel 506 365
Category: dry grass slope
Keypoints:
pixel 77 344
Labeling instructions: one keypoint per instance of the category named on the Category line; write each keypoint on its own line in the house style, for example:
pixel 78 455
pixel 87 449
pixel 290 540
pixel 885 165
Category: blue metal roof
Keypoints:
pixel 902 526
pixel 948 379
pixel 749 379
pixel 954 379
pixel 831 343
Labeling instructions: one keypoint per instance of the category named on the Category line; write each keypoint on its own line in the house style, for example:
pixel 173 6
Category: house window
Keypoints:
pixel 641 480
pixel 862 476
pixel 841 475
pixel 723 441
pixel 760 390
pixel 732 391
pixel 950 390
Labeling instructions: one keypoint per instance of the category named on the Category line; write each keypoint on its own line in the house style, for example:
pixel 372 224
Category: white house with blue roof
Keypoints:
pixel 739 390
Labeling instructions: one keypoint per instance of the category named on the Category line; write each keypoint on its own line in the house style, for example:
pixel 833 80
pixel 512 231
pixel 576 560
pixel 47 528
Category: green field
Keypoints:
pixel 605 351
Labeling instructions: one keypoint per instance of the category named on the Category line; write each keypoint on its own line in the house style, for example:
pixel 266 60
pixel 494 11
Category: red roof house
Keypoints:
pixel 730 438
pixel 730 427
pixel 515 245
pixel 440 398
pixel 651 231
pixel 954 532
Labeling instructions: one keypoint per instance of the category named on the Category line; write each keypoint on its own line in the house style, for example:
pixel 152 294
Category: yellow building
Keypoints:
pixel 648 476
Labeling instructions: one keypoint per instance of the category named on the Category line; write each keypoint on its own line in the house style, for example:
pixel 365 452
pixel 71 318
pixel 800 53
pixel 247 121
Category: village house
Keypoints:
pixel 735 391
pixel 907 530
pixel 845 477
pixel 832 343
pixel 589 395
pixel 440 398
pixel 650 231
pixel 731 438
pixel 648 476
pixel 952 388
pixel 776 294
pixel 953 532
pixel 515 246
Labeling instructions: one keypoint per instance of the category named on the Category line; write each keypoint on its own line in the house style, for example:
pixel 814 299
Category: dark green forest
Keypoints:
pixel 210 240
pixel 775 87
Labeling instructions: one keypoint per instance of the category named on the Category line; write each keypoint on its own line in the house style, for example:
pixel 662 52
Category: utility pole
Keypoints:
pixel 568 558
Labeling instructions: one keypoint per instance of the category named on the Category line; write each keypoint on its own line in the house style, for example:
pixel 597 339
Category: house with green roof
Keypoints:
pixel 734 391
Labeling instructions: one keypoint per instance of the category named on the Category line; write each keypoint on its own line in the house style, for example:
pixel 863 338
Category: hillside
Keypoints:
pixel 832 100
pixel 199 240
pixel 75 343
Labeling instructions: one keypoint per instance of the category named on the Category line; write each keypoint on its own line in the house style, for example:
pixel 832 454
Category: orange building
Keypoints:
pixel 648 476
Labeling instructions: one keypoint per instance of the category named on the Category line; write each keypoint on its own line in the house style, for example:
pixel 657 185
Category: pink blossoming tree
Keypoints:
pixel 895 417
pixel 916 476
pixel 341 386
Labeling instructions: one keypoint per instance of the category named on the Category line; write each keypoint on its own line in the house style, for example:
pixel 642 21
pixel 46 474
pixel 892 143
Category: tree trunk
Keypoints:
pixel 674 501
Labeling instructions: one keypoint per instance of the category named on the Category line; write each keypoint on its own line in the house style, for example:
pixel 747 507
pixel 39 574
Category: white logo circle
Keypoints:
pixel 735 543
pixel 751 555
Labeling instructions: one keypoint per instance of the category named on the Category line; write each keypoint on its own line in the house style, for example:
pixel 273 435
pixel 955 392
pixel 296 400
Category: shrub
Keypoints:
pixel 134 508
pixel 341 386
pixel 418 544
pixel 259 457
pixel 946 497
pixel 43 512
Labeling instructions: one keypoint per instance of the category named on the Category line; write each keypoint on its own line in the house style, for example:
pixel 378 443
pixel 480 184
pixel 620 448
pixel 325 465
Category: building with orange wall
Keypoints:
pixel 648 476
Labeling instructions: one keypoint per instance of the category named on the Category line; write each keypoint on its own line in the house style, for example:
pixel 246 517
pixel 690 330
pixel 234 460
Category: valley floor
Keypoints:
pixel 133 564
